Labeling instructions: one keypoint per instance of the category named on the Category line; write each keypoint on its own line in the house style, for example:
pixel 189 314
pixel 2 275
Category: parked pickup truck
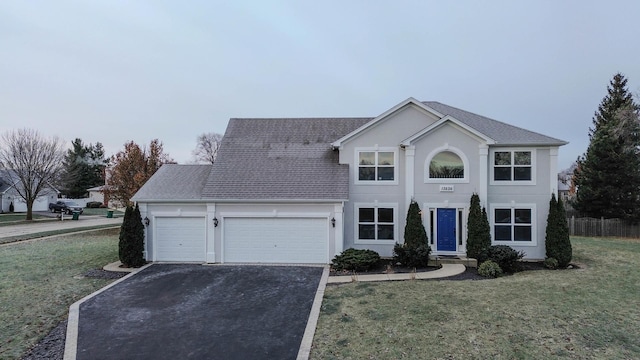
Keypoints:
pixel 66 206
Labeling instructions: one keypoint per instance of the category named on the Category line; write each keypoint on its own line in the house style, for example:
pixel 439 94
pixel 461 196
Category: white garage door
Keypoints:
pixel 276 240
pixel 180 239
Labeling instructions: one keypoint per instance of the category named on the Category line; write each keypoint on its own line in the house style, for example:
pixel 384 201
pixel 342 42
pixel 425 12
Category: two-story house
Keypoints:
pixel 303 190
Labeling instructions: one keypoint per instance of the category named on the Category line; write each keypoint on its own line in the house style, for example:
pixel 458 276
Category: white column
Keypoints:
pixel 338 214
pixel 553 171
pixel 484 174
pixel 409 164
pixel 211 232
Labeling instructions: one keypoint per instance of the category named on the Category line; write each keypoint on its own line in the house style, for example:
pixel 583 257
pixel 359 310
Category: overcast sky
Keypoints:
pixel 114 71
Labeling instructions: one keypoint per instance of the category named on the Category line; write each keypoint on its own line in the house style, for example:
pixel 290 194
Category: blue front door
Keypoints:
pixel 446 230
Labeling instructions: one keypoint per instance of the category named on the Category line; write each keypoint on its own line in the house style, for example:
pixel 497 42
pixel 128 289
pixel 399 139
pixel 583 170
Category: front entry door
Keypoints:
pixel 446 230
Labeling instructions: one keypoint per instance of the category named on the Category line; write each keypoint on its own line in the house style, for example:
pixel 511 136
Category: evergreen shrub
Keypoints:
pixel 131 244
pixel 355 260
pixel 417 256
pixel 489 269
pixel 505 256
pixel 550 263
pixel 478 230
pixel 557 242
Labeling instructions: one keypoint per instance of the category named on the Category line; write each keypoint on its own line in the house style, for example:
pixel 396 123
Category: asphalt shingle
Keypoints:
pixel 281 159
pixel 175 182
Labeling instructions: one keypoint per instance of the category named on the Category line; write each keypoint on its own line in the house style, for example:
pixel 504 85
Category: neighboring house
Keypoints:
pixel 303 190
pixel 97 194
pixel 9 194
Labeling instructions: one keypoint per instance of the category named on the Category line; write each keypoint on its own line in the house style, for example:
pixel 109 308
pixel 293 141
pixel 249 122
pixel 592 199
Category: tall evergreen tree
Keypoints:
pixel 478 229
pixel 84 167
pixel 557 242
pixel 131 244
pixel 414 232
pixel 608 174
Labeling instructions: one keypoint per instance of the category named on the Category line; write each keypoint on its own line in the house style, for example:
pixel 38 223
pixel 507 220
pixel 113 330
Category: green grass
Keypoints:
pixel 590 313
pixel 38 284
pixel 11 239
pixel 19 218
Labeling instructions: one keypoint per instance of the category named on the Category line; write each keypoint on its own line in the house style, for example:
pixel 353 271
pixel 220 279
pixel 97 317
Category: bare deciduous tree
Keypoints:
pixel 131 168
pixel 207 148
pixel 35 162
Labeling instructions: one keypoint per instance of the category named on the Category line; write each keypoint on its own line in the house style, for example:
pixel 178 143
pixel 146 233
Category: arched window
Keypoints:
pixel 446 165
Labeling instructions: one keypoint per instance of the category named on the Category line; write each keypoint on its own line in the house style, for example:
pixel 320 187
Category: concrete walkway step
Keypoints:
pixel 445 271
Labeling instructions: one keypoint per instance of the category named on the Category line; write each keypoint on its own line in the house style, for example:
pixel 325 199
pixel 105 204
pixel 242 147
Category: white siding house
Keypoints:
pixel 303 190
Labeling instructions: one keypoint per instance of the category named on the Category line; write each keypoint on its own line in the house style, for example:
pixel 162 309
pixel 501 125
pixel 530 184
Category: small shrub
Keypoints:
pixel 409 256
pixel 506 257
pixel 11 208
pixel 355 260
pixel 551 263
pixel 489 269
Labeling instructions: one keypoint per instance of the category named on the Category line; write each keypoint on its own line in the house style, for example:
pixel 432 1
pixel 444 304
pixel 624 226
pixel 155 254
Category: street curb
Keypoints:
pixel 310 330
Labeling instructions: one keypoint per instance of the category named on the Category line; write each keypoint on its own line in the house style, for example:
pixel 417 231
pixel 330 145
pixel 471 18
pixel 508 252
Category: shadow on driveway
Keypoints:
pixel 170 311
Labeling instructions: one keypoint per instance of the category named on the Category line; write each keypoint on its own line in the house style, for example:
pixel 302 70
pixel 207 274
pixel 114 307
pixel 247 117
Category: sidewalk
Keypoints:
pixel 445 271
pixel 11 231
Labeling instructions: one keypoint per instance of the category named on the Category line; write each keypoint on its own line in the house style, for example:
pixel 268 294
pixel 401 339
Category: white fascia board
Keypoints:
pixel 444 120
pixel 275 201
pixel 530 144
pixel 412 101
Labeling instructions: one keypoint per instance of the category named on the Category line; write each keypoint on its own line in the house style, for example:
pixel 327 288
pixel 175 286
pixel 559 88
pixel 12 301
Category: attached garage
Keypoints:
pixel 181 239
pixel 275 240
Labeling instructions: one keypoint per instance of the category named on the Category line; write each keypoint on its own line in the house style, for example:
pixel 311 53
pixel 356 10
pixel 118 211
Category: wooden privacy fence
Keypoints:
pixel 602 227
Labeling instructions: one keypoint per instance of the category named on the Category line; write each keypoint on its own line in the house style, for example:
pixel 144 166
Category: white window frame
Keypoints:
pixel 512 206
pixel 492 160
pixel 461 155
pixel 376 205
pixel 375 149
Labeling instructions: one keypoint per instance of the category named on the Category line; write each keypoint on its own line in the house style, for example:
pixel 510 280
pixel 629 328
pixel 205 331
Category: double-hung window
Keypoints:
pixel 375 223
pixel 513 166
pixel 376 166
pixel 514 224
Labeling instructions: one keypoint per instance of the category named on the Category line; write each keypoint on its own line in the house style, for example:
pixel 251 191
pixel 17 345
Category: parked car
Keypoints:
pixel 66 206
pixel 94 204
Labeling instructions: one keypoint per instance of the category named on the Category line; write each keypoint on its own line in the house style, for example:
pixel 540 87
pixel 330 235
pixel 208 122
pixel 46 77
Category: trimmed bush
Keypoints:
pixel 131 244
pixel 355 260
pixel 506 257
pixel 551 263
pixel 11 208
pixel 557 242
pixel 489 269
pixel 417 257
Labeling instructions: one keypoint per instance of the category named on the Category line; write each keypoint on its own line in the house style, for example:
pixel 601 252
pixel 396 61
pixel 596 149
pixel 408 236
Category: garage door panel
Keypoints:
pixel 180 239
pixel 276 240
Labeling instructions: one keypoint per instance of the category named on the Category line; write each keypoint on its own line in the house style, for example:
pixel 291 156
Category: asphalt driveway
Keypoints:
pixel 171 311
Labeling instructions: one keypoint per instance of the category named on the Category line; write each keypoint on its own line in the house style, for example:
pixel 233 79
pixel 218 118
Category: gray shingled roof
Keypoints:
pixel 175 182
pixel 502 133
pixel 281 159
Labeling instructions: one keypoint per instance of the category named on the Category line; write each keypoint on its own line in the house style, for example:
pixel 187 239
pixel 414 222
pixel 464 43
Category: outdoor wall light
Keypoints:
pixel 333 222
pixel 146 221
pixel 215 222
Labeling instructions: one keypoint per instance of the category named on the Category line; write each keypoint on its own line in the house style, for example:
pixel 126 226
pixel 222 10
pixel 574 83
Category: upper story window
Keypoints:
pixel 513 166
pixel 446 165
pixel 376 166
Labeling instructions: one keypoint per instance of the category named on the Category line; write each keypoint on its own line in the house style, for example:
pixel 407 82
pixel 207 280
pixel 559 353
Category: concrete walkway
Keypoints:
pixel 445 271
pixel 35 227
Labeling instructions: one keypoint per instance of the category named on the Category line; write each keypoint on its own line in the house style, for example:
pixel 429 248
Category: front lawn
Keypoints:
pixel 17 218
pixel 39 281
pixel 593 312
